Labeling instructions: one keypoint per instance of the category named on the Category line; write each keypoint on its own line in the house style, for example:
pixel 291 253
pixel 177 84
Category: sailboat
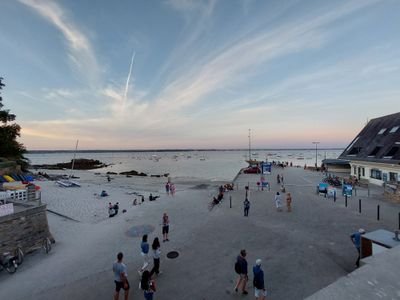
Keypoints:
pixel 252 162
pixel 68 182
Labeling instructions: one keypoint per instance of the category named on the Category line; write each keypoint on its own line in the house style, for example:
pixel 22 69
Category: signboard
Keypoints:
pixel 6 209
pixel 347 190
pixel 266 167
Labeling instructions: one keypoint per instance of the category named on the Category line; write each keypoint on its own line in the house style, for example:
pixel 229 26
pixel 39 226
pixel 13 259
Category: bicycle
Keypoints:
pixel 46 245
pixel 8 262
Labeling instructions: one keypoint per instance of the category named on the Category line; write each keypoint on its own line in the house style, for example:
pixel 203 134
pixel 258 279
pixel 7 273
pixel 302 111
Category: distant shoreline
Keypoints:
pixel 174 150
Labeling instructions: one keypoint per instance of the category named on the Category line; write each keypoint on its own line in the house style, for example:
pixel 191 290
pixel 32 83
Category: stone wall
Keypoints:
pixel 26 229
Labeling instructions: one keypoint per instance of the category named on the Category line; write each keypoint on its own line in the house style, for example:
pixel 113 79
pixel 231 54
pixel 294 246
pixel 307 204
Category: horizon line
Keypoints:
pixel 176 150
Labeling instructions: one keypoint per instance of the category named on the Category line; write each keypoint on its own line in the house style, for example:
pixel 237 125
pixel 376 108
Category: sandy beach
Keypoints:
pixel 303 251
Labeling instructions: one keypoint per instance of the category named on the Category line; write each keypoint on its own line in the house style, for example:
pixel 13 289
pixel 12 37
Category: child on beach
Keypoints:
pixel 165 227
pixel 289 202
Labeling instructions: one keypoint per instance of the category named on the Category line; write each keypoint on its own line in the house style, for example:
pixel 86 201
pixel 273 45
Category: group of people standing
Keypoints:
pixel 278 202
pixel 170 188
pixel 241 268
pixel 147 282
pixel 277 199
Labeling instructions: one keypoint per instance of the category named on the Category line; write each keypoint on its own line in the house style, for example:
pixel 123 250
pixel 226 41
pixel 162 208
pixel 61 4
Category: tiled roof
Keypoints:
pixel 378 141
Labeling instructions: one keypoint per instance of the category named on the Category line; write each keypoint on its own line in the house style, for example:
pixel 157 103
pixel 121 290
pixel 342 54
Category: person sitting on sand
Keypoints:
pixel 116 208
pixel 153 198
pixel 111 210
pixel 103 194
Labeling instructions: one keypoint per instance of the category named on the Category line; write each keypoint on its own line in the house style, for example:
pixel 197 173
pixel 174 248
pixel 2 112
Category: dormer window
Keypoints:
pixel 394 129
pixel 374 152
pixel 381 131
pixel 392 152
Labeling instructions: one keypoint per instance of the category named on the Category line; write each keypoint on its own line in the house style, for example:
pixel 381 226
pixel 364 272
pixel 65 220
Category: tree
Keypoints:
pixel 10 148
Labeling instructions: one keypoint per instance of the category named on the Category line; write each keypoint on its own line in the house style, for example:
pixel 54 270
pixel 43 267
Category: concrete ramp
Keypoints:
pixel 378 278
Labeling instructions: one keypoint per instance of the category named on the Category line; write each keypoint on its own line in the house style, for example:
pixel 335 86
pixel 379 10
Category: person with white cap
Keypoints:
pixel 258 281
pixel 356 239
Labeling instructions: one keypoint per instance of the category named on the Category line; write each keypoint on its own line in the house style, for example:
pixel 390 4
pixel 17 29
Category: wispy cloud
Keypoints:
pixel 239 59
pixel 81 53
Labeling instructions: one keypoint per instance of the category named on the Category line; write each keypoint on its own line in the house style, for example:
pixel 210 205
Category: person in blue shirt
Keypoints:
pixel 144 246
pixel 258 281
pixel 356 239
pixel 246 205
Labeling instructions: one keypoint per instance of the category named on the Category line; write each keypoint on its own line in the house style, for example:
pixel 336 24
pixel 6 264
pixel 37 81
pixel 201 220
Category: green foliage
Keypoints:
pixel 10 148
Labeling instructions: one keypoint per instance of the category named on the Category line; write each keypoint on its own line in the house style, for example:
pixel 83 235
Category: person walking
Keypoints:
pixel 155 247
pixel 278 179
pixel 167 187
pixel 165 227
pixel 278 202
pixel 120 277
pixel 282 179
pixel 241 269
pixel 289 202
pixel 258 281
pixel 246 204
pixel 356 239
pixel 147 285
pixel 144 246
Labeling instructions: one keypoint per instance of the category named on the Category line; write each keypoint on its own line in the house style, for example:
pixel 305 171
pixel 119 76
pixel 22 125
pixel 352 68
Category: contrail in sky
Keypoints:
pixel 129 76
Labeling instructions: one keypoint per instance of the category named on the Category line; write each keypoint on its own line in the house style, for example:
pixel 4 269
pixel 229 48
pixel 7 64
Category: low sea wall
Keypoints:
pixel 26 229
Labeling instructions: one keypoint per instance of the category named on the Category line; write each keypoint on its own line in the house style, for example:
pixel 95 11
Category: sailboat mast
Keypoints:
pixel 73 160
pixel 249 145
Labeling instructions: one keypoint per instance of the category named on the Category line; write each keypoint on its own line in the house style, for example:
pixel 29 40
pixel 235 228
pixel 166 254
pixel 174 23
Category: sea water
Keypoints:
pixel 211 165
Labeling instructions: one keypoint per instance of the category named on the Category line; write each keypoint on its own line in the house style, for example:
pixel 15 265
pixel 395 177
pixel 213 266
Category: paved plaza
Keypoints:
pixel 302 251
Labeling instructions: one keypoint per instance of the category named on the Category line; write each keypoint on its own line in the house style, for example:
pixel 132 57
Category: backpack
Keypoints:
pixel 237 267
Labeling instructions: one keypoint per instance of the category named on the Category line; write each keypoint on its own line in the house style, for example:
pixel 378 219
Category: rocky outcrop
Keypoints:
pixel 79 164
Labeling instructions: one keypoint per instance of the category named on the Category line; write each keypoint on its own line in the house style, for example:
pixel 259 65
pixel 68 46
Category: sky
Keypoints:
pixel 168 74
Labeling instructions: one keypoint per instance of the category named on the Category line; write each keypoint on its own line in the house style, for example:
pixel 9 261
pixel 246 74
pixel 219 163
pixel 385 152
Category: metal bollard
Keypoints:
pixel 359 206
pixel 334 196
pixel 345 200
pixel 230 201
pixel 355 191
pixel 378 212
pixel 399 220
pixel 368 191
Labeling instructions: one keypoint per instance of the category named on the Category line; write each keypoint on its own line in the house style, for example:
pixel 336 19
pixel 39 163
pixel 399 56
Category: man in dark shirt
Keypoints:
pixel 243 277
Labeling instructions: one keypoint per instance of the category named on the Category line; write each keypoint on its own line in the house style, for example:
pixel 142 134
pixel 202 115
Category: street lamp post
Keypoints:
pixel 316 154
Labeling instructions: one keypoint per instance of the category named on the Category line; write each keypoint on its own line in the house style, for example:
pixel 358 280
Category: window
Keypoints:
pixel 351 145
pixel 363 172
pixel 355 150
pixel 375 151
pixel 382 131
pixel 393 177
pixel 354 170
pixel 377 174
pixel 394 129
pixel 392 152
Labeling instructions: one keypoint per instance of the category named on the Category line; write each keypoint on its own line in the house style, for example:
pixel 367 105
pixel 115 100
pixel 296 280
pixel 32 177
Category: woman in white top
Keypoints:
pixel 278 202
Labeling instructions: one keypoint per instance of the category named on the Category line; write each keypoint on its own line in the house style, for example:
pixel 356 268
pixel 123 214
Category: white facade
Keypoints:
pixel 375 173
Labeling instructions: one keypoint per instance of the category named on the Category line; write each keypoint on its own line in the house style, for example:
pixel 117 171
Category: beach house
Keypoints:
pixel 374 154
